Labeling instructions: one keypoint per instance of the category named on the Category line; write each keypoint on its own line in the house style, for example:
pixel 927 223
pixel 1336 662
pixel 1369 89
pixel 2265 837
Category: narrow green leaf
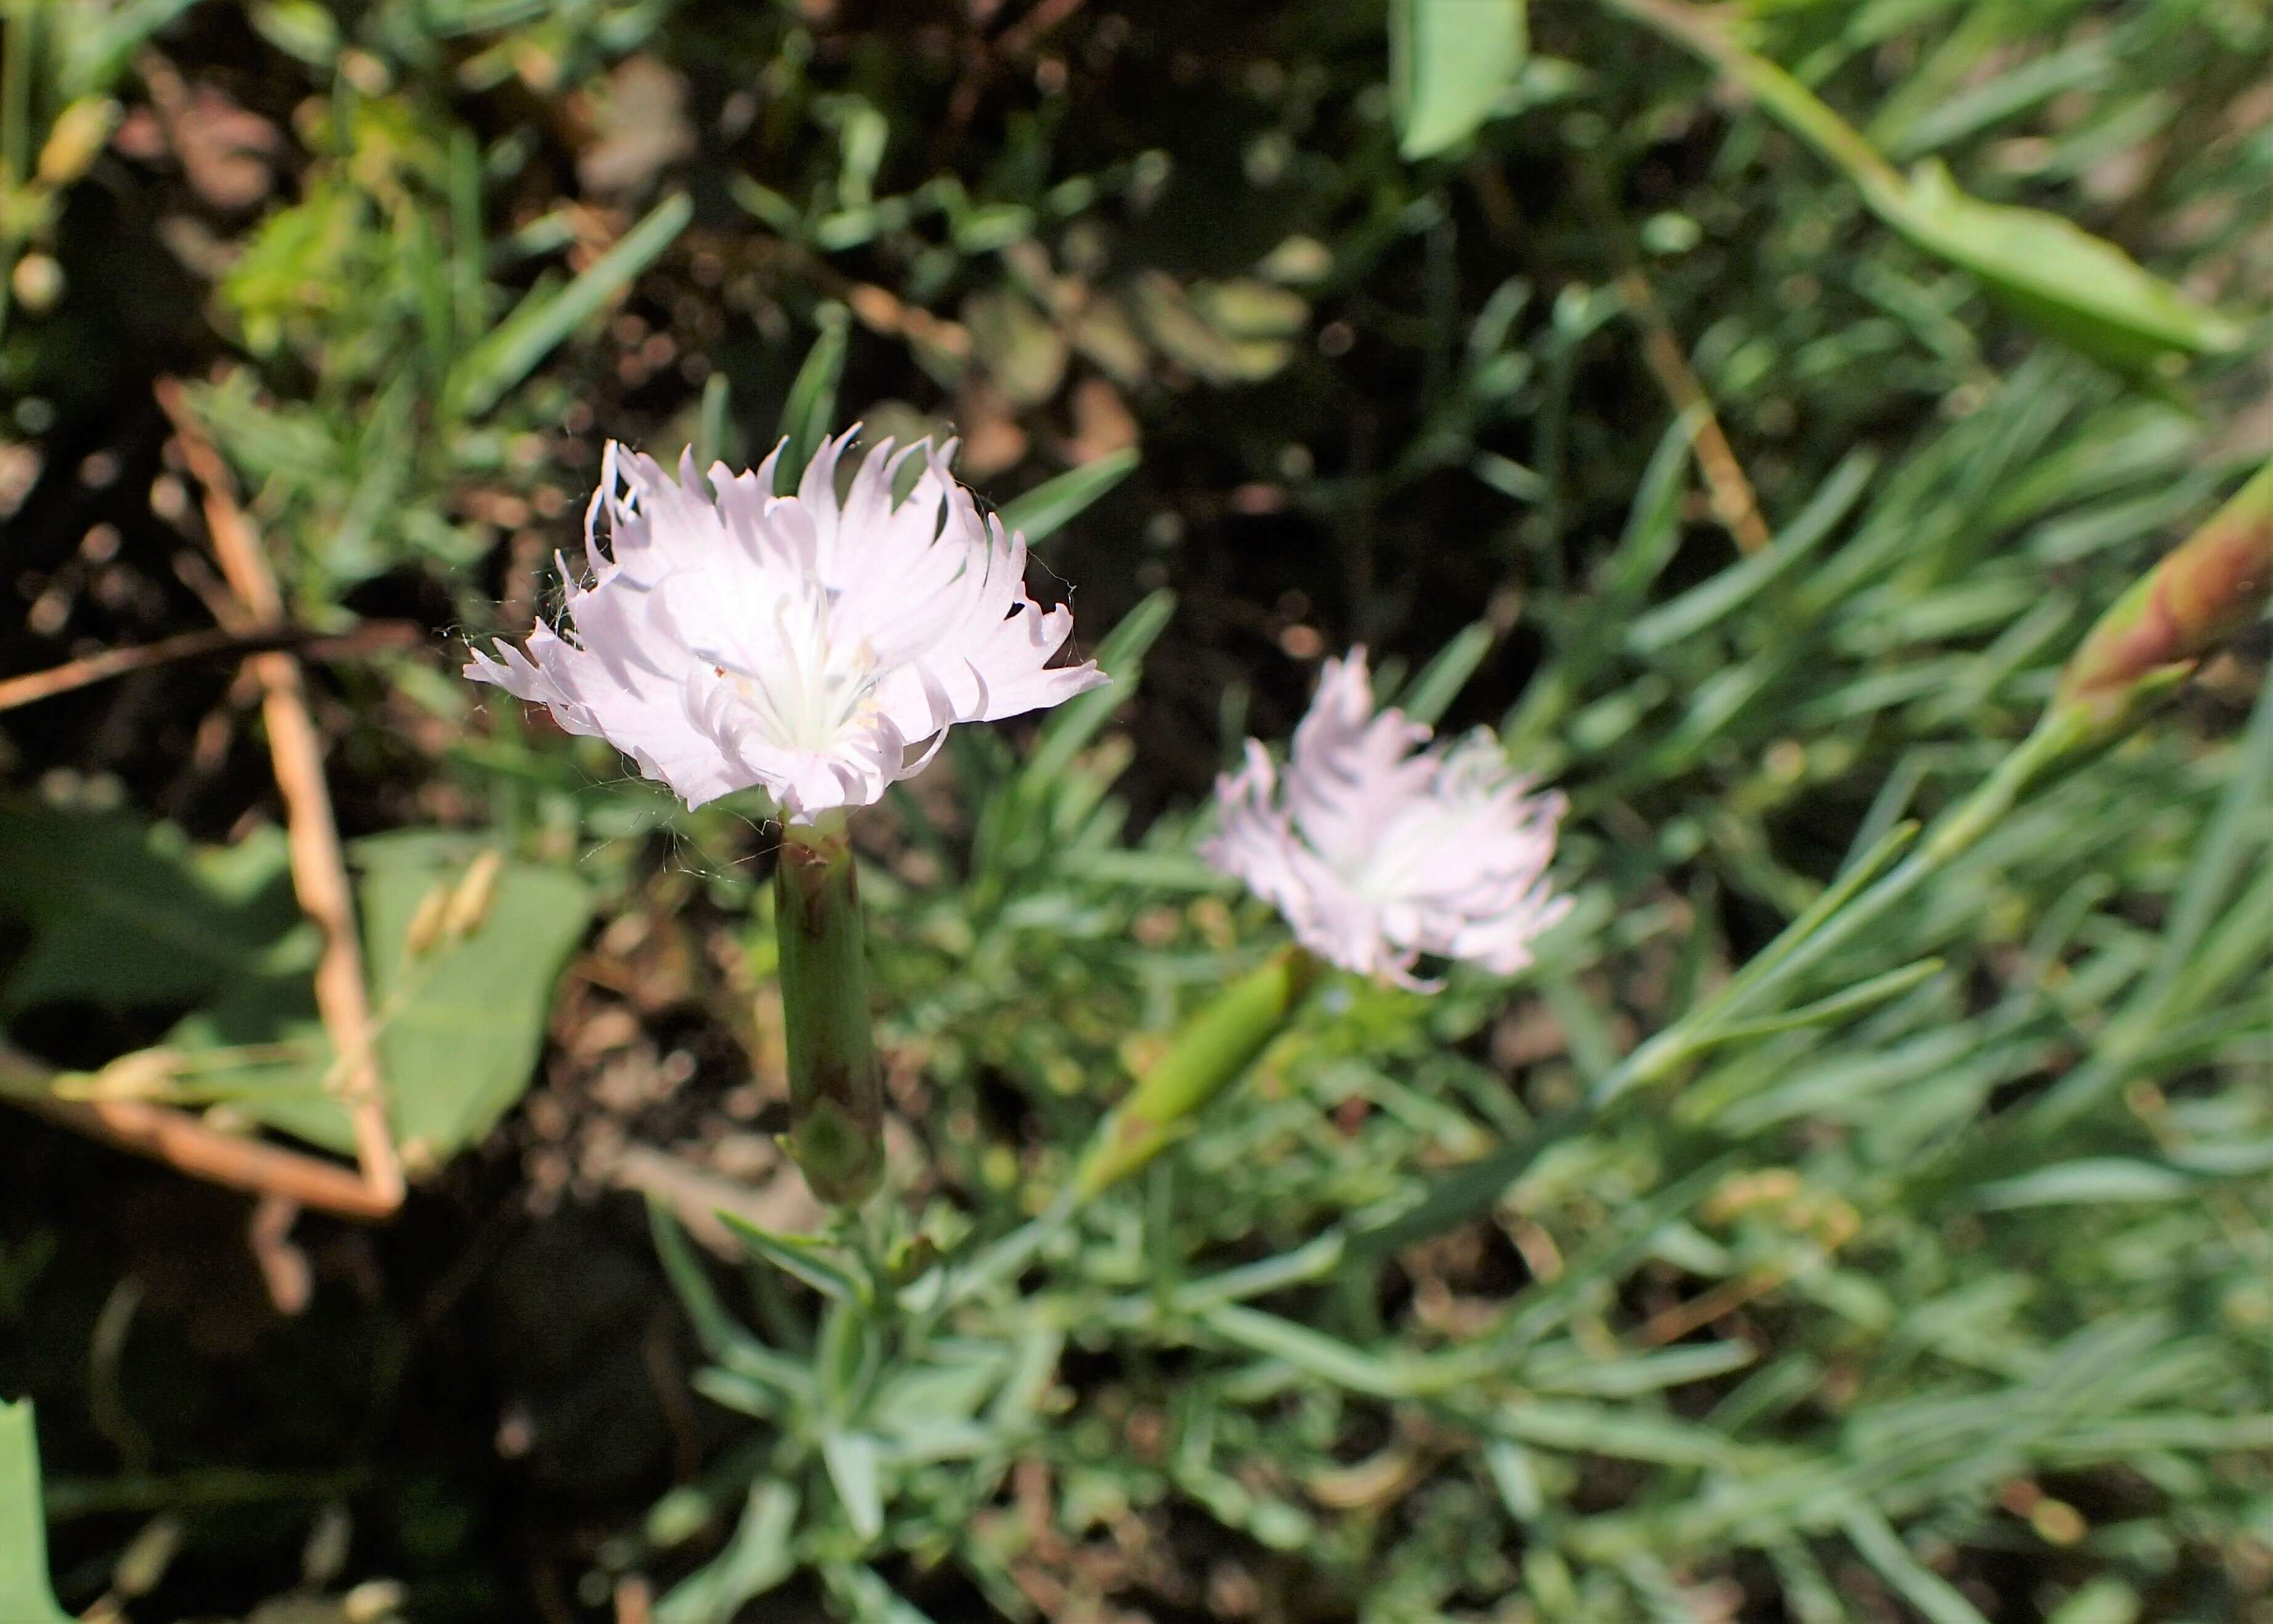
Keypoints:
pixel 1620 1431
pixel 1838 1006
pixel 300 28
pixel 1307 1350
pixel 2077 287
pixel 850 1458
pixel 1055 503
pixel 1120 656
pixel 96 52
pixel 513 348
pixel 469 287
pixel 809 410
pixel 1638 1373
pixel 713 428
pixel 862 1593
pixel 2098 1601
pixel 1428 696
pixel 1773 965
pixel 713 1328
pixel 2092 1181
pixel 1458 1193
pixel 26 1597
pixel 800 1256
pixel 1515 1478
pixel 1934 1597
pixel 1309 1261
pixel 758 1557
pixel 1710 601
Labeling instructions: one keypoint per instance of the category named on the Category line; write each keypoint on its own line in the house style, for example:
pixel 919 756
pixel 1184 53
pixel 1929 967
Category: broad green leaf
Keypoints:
pixel 1451 62
pixel 1019 346
pixel 513 349
pixel 1229 333
pixel 301 29
pixel 460 1024
pixel 122 915
pixel 1055 503
pixel 26 1597
pixel 2076 287
pixel 470 1019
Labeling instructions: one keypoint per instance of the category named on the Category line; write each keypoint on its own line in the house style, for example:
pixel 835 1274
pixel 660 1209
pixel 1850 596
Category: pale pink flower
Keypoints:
pixel 817 648
pixel 1379 849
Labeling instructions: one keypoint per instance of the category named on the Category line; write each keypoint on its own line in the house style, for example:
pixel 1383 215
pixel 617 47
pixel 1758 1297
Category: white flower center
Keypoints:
pixel 1411 846
pixel 806 688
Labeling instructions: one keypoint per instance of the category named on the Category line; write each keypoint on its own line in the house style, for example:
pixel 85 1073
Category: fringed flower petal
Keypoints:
pixel 815 647
pixel 1378 850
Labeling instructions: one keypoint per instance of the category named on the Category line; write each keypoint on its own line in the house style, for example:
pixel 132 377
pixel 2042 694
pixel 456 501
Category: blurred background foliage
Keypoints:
pixel 1730 408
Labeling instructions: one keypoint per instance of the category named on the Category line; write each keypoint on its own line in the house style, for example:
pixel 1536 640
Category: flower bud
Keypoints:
pixel 1221 1041
pixel 2211 586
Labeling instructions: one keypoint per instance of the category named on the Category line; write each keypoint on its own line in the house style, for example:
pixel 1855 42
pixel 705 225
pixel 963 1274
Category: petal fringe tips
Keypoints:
pixel 1379 849
pixel 817 648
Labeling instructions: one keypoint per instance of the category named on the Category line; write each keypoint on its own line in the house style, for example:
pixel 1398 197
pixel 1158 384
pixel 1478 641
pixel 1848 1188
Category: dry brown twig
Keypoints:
pixel 319 874
pixel 189 1145
pixel 213 643
pixel 1683 1319
pixel 982 59
pixel 283 1265
pixel 319 878
pixel 1732 493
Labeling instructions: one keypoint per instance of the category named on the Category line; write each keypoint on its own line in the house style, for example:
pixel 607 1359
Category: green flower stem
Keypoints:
pixel 1220 1043
pixel 836 1134
pixel 1801 111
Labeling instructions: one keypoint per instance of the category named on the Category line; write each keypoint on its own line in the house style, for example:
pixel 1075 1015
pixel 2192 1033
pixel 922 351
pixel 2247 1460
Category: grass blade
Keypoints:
pixel 513 348
pixel 1055 503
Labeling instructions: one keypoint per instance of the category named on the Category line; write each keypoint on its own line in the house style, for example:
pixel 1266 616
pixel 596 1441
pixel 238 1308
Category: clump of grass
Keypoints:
pixel 1858 1212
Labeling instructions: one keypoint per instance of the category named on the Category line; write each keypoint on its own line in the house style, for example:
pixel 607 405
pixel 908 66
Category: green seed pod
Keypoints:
pixel 475 895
